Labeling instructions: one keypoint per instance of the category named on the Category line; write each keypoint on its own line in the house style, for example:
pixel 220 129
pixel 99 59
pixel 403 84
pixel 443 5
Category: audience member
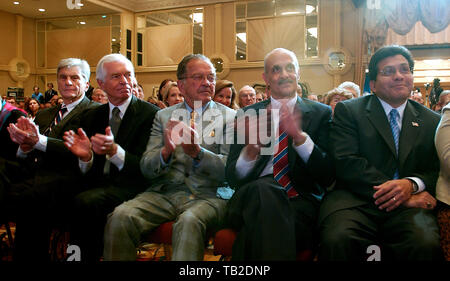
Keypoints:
pixel 42 195
pixel 171 94
pixel 163 83
pixel 184 175
pixel 49 93
pixel 135 89
pixel 351 87
pixel 225 93
pixel 337 95
pixel 109 144
pixel 37 95
pixel 442 142
pixel 417 96
pixel 247 96
pixel 313 97
pixel 384 192
pixel 32 107
pixel 12 101
pixel 98 95
pixel 275 206
pixel 444 99
pixel 260 89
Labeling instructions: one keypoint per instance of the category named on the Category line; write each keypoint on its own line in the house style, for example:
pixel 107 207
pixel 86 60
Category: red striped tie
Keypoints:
pixel 281 165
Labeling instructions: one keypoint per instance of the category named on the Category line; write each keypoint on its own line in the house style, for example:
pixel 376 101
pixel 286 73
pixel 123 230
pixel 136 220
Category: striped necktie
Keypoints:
pixel 59 116
pixel 393 117
pixel 281 165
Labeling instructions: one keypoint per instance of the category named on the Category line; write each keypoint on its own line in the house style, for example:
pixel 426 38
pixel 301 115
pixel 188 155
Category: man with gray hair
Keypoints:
pixel 247 96
pixel 47 181
pixel 351 87
pixel 444 99
pixel 109 145
pixel 185 175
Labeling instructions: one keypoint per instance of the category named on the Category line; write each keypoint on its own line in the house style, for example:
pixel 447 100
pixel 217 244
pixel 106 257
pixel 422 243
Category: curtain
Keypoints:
pixel 419 35
pixel 265 35
pixel 167 44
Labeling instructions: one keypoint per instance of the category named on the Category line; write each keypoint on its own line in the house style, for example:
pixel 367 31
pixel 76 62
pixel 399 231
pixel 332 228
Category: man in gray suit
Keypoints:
pixel 186 164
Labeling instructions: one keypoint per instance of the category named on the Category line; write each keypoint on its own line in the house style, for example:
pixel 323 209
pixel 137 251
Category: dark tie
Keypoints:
pixel 59 116
pixel 115 120
pixel 281 165
pixel 393 117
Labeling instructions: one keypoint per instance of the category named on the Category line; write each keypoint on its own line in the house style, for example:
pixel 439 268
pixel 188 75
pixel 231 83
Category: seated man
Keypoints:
pixel 109 144
pixel 387 167
pixel 49 171
pixel 277 200
pixel 185 171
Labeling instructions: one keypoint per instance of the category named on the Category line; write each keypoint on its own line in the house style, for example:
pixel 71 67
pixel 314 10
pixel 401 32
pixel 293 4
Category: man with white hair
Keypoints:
pixel 109 145
pixel 351 87
pixel 247 96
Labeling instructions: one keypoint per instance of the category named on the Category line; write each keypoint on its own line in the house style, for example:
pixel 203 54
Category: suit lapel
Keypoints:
pixel 377 116
pixel 410 130
pixel 126 125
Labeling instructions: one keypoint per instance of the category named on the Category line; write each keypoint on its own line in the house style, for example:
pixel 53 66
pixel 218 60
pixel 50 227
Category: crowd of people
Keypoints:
pixel 337 173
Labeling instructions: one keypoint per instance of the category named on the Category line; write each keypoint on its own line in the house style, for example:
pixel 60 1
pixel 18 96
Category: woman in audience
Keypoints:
pixel 442 141
pixel 226 94
pixel 336 95
pixel 171 94
pixel 32 107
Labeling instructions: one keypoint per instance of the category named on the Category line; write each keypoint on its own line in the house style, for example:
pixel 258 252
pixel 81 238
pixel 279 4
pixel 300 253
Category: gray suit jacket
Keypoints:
pixel 203 177
pixel 442 141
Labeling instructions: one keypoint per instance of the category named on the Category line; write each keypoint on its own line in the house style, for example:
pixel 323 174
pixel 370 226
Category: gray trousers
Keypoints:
pixel 135 218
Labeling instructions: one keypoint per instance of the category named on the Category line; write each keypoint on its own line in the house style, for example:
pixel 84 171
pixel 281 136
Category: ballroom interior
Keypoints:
pixel 333 39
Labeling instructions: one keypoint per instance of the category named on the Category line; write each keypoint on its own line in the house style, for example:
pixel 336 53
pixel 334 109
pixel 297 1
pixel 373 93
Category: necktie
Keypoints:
pixel 281 165
pixel 59 116
pixel 393 117
pixel 115 120
pixel 194 115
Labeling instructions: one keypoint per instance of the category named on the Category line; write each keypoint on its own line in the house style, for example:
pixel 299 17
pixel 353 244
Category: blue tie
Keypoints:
pixel 393 117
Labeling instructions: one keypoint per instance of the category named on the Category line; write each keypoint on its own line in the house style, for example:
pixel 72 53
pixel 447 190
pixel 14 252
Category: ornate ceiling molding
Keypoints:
pixel 153 5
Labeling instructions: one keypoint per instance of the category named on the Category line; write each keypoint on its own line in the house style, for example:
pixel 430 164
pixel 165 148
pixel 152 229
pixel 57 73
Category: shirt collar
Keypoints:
pixel 290 103
pixel 387 108
pixel 72 105
pixel 199 110
pixel 123 107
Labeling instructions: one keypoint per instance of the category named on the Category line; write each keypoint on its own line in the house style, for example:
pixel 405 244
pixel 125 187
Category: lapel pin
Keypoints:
pixel 415 124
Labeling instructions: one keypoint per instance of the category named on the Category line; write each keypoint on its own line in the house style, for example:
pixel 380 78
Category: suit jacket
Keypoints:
pixel 56 151
pixel 201 178
pixel 307 177
pixel 364 151
pixel 132 136
pixel 442 141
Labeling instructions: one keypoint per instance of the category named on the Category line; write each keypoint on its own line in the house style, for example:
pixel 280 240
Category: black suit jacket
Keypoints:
pixel 306 177
pixel 132 136
pixel 364 151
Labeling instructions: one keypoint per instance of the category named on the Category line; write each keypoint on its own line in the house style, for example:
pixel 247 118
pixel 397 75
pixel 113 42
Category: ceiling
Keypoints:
pixel 67 8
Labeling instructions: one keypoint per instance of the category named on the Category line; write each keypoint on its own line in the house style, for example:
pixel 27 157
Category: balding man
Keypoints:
pixel 247 96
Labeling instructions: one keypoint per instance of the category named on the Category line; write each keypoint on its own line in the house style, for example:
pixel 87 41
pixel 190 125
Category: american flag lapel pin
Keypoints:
pixel 415 124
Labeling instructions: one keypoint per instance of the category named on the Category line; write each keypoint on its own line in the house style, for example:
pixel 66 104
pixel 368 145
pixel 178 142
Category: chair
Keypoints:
pixel 223 246
pixel 162 235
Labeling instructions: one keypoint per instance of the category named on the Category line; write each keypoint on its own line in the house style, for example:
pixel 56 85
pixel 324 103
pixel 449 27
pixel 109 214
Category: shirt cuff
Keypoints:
pixel 419 182
pixel 42 143
pixel 22 154
pixel 118 159
pixel 85 166
pixel 243 167
pixel 304 150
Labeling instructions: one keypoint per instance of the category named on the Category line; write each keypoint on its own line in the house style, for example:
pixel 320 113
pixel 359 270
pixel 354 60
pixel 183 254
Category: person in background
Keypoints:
pixel 225 93
pixel 32 107
pixel 171 94
pixel 37 95
pixel 313 97
pixel 50 92
pixel 442 142
pixel 417 96
pixel 337 95
pixel 351 87
pixel 444 99
pixel 98 95
pixel 247 96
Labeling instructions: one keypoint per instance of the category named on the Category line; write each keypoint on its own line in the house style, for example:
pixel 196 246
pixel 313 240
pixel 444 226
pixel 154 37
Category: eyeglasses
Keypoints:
pixel 391 70
pixel 200 77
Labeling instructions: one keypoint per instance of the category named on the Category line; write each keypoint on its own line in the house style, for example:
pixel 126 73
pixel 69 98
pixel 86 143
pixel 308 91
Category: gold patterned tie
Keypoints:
pixel 194 115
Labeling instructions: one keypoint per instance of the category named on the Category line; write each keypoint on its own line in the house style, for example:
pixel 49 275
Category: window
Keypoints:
pixel 264 25
pixel 166 37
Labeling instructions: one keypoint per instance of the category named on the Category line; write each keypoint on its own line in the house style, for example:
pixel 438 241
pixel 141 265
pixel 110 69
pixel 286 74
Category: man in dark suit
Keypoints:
pixel 109 153
pixel 275 208
pixel 50 92
pixel 384 192
pixel 48 169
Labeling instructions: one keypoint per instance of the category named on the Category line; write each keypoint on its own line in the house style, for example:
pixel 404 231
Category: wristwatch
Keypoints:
pixel 414 186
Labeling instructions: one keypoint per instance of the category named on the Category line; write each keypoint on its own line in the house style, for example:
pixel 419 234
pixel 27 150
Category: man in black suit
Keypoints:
pixel 109 146
pixel 50 92
pixel 384 192
pixel 48 169
pixel 276 215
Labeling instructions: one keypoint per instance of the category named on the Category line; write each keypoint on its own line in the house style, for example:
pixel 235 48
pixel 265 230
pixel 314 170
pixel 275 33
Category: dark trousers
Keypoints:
pixel 402 234
pixel 271 226
pixel 91 209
